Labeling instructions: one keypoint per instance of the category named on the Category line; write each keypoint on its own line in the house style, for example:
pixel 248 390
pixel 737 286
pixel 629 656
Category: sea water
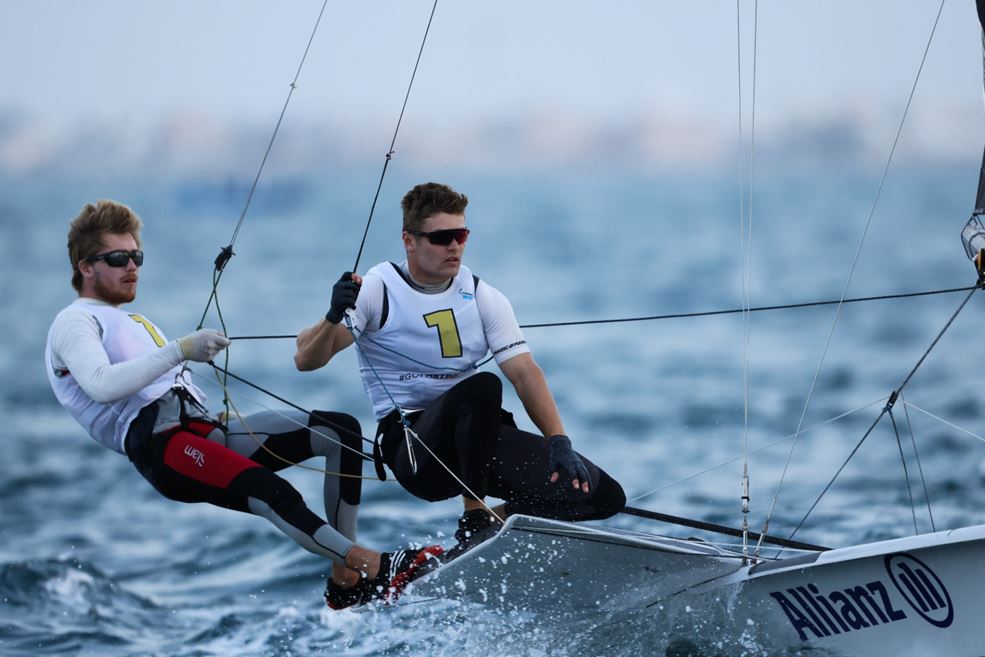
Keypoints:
pixel 94 562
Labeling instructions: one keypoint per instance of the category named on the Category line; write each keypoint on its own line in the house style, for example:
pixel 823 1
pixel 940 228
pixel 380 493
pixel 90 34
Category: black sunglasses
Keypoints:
pixel 119 258
pixel 443 237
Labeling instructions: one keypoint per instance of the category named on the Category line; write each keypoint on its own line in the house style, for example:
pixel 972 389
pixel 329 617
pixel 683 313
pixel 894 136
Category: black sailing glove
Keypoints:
pixel 344 295
pixel 562 457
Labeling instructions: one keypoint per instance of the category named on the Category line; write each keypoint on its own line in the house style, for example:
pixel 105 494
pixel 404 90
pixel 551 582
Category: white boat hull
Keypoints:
pixel 921 595
pixel 535 564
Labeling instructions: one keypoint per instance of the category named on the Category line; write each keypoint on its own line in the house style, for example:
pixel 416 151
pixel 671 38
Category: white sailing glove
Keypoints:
pixel 203 345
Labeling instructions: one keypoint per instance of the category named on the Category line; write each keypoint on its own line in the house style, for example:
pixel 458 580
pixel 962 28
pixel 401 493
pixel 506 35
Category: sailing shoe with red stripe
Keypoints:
pixel 398 569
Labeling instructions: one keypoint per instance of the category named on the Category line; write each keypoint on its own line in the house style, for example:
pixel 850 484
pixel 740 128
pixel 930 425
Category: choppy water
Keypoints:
pixel 93 562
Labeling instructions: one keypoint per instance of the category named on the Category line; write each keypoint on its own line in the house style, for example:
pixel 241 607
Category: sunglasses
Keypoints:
pixel 443 237
pixel 119 258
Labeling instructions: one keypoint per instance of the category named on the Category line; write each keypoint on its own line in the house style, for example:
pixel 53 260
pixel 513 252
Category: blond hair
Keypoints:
pixel 85 233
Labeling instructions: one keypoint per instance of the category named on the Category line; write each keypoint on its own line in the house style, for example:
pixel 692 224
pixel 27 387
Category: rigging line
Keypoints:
pixel 742 176
pixel 225 356
pixel 288 403
pixel 262 445
pixel 858 253
pixel 393 142
pixel 457 370
pixel 752 188
pixel 892 400
pixel 185 367
pixel 707 313
pixel 227 252
pixel 936 340
pixel 300 425
pixel 745 304
pixel 923 479
pixel 830 483
pixel 906 473
pixel 943 421
pixel 745 241
pixel 756 451
pixel 733 311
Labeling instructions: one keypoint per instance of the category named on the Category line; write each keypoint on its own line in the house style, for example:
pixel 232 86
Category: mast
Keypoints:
pixel 980 199
pixel 973 233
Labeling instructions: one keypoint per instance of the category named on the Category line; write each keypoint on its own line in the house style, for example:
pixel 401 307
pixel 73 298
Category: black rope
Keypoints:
pixel 906 472
pixel 734 311
pixel 225 352
pixel 393 142
pixel 321 419
pixel 707 313
pixel 916 453
pixel 830 483
pixel 718 529
pixel 227 251
pixel 936 340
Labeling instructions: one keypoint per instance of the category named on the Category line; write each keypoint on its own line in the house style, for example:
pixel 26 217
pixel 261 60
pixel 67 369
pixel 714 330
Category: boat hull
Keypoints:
pixel 915 596
pixel 535 564
pixel 922 595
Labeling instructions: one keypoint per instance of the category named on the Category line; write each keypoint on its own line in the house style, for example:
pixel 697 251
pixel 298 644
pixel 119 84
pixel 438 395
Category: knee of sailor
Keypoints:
pixel 346 426
pixel 281 495
pixel 259 485
pixel 609 496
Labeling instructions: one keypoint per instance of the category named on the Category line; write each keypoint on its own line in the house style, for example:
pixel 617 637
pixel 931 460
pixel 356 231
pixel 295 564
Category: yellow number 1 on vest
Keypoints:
pixel 444 321
pixel 158 340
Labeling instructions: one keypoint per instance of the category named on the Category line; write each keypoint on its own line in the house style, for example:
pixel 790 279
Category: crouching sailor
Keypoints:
pixel 118 376
pixel 423 326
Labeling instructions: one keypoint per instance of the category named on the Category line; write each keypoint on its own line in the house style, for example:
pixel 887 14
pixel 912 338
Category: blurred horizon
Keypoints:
pixel 196 88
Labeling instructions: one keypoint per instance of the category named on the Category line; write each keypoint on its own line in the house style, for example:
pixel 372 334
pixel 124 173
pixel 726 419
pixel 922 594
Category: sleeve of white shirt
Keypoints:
pixel 499 322
pixel 76 345
pixel 369 305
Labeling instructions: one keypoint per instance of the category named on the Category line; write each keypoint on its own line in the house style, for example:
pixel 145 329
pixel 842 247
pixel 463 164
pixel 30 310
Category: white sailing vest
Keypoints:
pixel 428 342
pixel 125 336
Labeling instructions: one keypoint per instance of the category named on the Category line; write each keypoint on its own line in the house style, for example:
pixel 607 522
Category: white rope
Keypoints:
pixel 851 272
pixel 745 244
pixel 942 420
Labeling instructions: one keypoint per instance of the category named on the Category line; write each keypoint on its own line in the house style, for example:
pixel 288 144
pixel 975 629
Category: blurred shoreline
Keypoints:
pixel 197 144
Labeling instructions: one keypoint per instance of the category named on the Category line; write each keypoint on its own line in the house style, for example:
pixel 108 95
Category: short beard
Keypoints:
pixel 111 296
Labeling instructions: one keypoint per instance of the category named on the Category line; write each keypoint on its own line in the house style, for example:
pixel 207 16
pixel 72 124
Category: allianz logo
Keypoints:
pixel 196 454
pixel 860 606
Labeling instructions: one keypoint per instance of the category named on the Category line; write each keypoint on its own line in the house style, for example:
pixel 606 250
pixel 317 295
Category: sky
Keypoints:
pixel 669 69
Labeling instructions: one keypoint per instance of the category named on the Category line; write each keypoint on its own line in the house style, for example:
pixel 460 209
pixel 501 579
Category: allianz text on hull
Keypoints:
pixel 919 596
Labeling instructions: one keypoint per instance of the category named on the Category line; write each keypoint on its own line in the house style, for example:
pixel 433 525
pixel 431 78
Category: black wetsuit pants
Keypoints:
pixel 466 431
